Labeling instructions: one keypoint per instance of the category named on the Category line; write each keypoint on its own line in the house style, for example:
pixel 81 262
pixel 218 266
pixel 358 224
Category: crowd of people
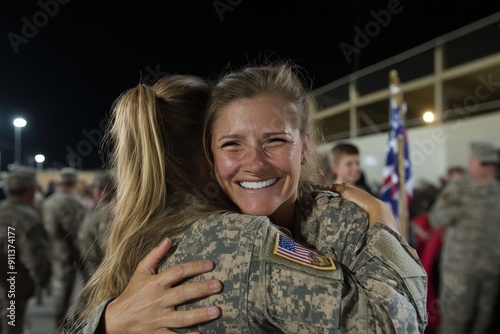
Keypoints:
pixel 455 228
pixel 217 217
pixel 51 237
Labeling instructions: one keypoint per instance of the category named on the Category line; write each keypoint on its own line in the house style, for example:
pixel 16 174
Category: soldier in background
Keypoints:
pixel 93 233
pixel 39 197
pixel 453 173
pixel 25 242
pixel 62 215
pixel 3 175
pixel 469 210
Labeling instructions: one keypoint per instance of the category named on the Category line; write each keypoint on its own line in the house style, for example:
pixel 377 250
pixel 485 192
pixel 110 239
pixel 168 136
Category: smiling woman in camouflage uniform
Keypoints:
pixel 295 259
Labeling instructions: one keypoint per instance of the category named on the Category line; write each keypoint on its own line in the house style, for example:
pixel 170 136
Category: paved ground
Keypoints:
pixel 40 318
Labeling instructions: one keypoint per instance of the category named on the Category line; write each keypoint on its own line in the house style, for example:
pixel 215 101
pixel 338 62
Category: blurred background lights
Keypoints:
pixel 428 117
pixel 39 158
pixel 19 122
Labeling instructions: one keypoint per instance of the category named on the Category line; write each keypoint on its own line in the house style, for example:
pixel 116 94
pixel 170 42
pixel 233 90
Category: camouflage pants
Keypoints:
pixel 16 312
pixel 467 301
pixel 63 280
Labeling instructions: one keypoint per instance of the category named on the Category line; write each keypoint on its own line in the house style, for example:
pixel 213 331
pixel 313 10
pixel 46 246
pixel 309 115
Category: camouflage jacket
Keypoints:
pixel 92 236
pixel 387 271
pixel 62 215
pixel 24 241
pixel 362 280
pixel 470 214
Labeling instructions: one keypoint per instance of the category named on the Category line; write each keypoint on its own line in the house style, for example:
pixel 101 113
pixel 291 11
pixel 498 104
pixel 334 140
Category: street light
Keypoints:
pixel 18 123
pixel 39 158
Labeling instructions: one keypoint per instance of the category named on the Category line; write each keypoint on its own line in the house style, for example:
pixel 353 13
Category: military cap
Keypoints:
pixel 104 180
pixel 68 175
pixel 21 178
pixel 485 152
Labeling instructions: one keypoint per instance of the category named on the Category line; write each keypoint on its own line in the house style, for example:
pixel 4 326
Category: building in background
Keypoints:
pixel 456 77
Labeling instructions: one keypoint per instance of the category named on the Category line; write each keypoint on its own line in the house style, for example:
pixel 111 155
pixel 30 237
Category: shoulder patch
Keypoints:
pixel 289 249
pixel 447 197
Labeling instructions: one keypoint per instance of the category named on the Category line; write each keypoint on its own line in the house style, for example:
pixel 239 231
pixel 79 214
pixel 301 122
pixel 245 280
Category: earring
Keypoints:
pixel 304 160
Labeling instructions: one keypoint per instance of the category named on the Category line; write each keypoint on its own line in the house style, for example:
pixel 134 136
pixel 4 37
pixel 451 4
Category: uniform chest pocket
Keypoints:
pixel 303 300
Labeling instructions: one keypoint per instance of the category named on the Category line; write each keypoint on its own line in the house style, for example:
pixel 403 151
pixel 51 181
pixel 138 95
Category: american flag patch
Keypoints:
pixel 289 249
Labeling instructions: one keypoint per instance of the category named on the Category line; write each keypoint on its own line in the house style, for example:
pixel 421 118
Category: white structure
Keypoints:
pixel 456 76
pixel 433 148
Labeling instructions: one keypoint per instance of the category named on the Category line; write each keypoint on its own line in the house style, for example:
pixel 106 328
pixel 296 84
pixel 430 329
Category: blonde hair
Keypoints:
pixel 281 80
pixel 153 132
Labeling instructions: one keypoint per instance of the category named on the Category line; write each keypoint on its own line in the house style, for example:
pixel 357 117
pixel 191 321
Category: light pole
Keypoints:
pixel 39 158
pixel 18 123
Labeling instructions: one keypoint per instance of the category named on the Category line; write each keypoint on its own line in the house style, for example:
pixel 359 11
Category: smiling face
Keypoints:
pixel 347 168
pixel 257 152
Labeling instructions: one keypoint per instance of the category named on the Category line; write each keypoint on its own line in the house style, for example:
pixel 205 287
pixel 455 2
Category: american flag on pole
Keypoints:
pixel 390 189
pixel 295 252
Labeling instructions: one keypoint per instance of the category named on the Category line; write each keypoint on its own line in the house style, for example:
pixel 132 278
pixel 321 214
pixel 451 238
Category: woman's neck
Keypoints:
pixel 284 216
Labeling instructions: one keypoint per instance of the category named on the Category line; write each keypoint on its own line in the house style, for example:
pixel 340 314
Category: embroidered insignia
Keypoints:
pixel 289 249
pixel 447 197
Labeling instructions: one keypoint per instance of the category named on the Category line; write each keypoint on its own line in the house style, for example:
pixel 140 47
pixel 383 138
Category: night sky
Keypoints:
pixel 63 63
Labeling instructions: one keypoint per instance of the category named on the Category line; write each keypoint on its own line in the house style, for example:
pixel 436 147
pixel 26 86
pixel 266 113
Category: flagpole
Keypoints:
pixel 396 94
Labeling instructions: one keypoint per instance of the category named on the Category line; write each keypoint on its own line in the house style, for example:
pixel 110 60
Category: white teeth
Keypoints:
pixel 258 185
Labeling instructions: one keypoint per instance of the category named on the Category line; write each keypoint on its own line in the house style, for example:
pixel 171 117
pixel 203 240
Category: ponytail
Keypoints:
pixel 151 132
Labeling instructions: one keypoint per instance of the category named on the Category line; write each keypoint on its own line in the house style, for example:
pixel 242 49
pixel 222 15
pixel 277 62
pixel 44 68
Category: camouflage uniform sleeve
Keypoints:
pixel 263 292
pixel 63 216
pixel 387 275
pixel 49 217
pixel 299 298
pixel 290 294
pixel 37 254
pixel 88 243
pixel 93 324
pixel 335 225
pixel 446 209
pixel 105 219
pixel 84 232
pixel 391 274
pixel 71 216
